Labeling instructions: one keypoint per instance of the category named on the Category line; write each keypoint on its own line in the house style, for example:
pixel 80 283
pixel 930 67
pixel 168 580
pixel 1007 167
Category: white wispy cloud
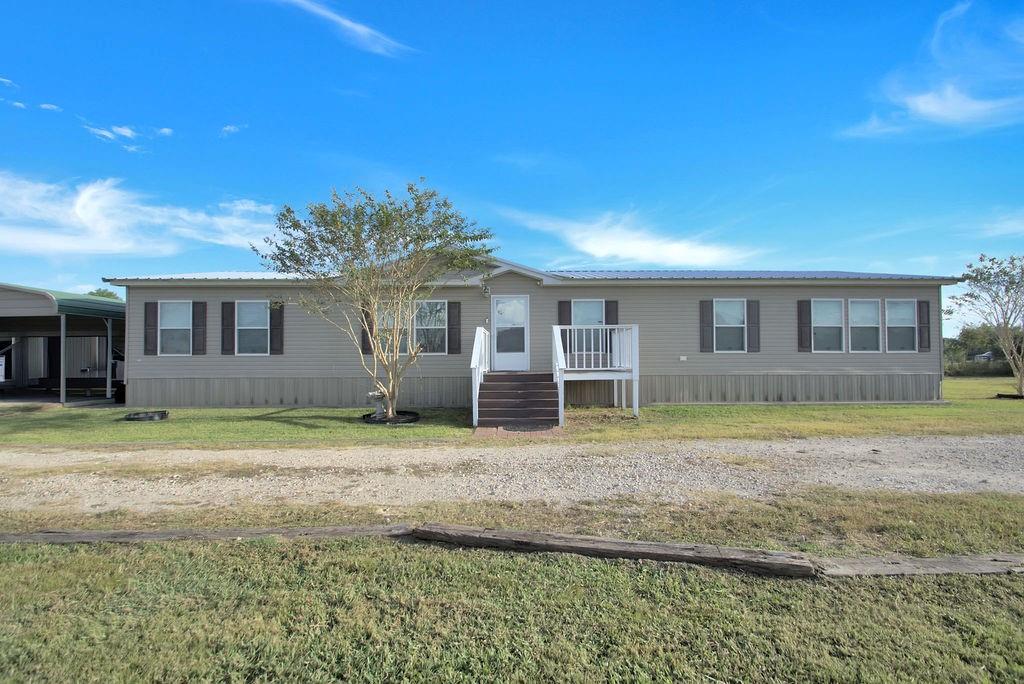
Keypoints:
pixel 101 133
pixel 970 77
pixel 1009 224
pixel 230 129
pixel 18 105
pixel 873 127
pixel 50 107
pixel 165 132
pixel 359 35
pixel 621 238
pixel 947 104
pixel 6 82
pixel 124 131
pixel 103 217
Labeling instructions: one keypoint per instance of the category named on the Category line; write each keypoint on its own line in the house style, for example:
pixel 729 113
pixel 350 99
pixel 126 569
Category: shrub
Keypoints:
pixel 979 369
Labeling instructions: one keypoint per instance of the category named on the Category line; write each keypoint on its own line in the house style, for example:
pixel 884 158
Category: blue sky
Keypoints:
pixel 155 137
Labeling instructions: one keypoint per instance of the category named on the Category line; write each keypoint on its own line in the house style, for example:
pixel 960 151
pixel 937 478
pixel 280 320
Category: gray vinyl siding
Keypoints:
pixel 316 354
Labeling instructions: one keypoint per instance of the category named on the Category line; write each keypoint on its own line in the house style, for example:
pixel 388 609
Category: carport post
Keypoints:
pixel 110 354
pixel 63 359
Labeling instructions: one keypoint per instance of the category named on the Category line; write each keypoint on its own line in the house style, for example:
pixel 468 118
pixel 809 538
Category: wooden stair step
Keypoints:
pixel 514 422
pixel 518 377
pixel 518 386
pixel 518 403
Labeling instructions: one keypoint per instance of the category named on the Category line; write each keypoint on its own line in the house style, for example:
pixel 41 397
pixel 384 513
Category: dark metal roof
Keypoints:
pixel 77 304
pixel 740 275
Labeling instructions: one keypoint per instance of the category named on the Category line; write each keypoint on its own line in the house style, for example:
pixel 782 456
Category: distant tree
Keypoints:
pixel 995 296
pixel 367 261
pixel 104 292
pixel 978 339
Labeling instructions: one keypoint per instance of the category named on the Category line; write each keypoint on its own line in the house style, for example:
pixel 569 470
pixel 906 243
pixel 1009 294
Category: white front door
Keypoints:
pixel 510 332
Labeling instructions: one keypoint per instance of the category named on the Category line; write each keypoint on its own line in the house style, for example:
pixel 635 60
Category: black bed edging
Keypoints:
pixel 758 561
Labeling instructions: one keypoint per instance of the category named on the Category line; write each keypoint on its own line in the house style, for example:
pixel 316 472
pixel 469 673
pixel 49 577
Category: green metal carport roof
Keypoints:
pixel 76 304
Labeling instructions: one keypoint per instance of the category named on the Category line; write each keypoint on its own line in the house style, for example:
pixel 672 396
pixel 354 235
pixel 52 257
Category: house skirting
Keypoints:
pixel 454 392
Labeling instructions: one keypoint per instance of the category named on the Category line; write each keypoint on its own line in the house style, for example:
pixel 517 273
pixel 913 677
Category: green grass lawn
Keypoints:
pixel 970 410
pixel 379 610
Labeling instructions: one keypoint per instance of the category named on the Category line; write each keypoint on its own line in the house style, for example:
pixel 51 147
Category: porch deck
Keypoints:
pixel 578 353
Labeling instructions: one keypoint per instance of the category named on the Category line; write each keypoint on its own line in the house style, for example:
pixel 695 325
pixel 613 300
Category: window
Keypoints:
pixel 730 325
pixel 383 333
pixel 175 328
pixel 901 325
pixel 588 312
pixel 827 325
pixel 431 327
pixel 252 328
pixel 865 325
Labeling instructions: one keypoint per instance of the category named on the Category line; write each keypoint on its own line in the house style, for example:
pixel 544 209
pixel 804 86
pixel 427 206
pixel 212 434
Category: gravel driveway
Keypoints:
pixel 151 480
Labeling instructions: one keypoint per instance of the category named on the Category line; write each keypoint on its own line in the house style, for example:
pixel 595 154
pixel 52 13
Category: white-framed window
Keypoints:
pixel 865 325
pixel 430 326
pixel 588 312
pixel 174 324
pixel 900 325
pixel 730 325
pixel 827 325
pixel 252 327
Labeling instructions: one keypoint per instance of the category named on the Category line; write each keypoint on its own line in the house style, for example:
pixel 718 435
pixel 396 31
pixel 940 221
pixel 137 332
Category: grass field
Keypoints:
pixel 970 410
pixel 375 610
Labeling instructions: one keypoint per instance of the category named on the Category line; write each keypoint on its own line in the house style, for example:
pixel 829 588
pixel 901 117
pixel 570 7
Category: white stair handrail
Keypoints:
pixel 480 364
pixel 558 370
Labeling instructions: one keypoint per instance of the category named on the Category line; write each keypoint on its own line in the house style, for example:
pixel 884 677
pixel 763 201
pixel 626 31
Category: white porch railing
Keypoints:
pixel 558 370
pixel 480 364
pixel 598 347
pixel 598 352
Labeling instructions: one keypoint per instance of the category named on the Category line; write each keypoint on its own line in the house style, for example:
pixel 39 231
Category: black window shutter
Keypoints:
pixel 753 325
pixel 227 328
pixel 365 332
pixel 564 313
pixel 924 326
pixel 707 325
pixel 803 325
pixel 276 329
pixel 198 328
pixel 611 312
pixel 565 318
pixel 149 329
pixel 454 327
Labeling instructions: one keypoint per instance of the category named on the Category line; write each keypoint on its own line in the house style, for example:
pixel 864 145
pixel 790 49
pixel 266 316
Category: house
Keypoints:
pixel 57 344
pixel 577 337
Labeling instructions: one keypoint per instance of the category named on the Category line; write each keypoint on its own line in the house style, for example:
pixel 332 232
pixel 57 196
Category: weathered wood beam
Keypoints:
pixel 778 563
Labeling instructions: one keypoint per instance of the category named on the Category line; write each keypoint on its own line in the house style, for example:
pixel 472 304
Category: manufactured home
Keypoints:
pixel 518 343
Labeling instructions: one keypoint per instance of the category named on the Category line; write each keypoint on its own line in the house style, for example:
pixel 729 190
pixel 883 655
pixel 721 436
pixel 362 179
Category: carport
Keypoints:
pixel 61 342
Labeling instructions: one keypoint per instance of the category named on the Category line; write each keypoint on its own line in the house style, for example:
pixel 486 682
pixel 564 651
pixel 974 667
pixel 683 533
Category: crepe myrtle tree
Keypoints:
pixel 994 294
pixel 367 260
